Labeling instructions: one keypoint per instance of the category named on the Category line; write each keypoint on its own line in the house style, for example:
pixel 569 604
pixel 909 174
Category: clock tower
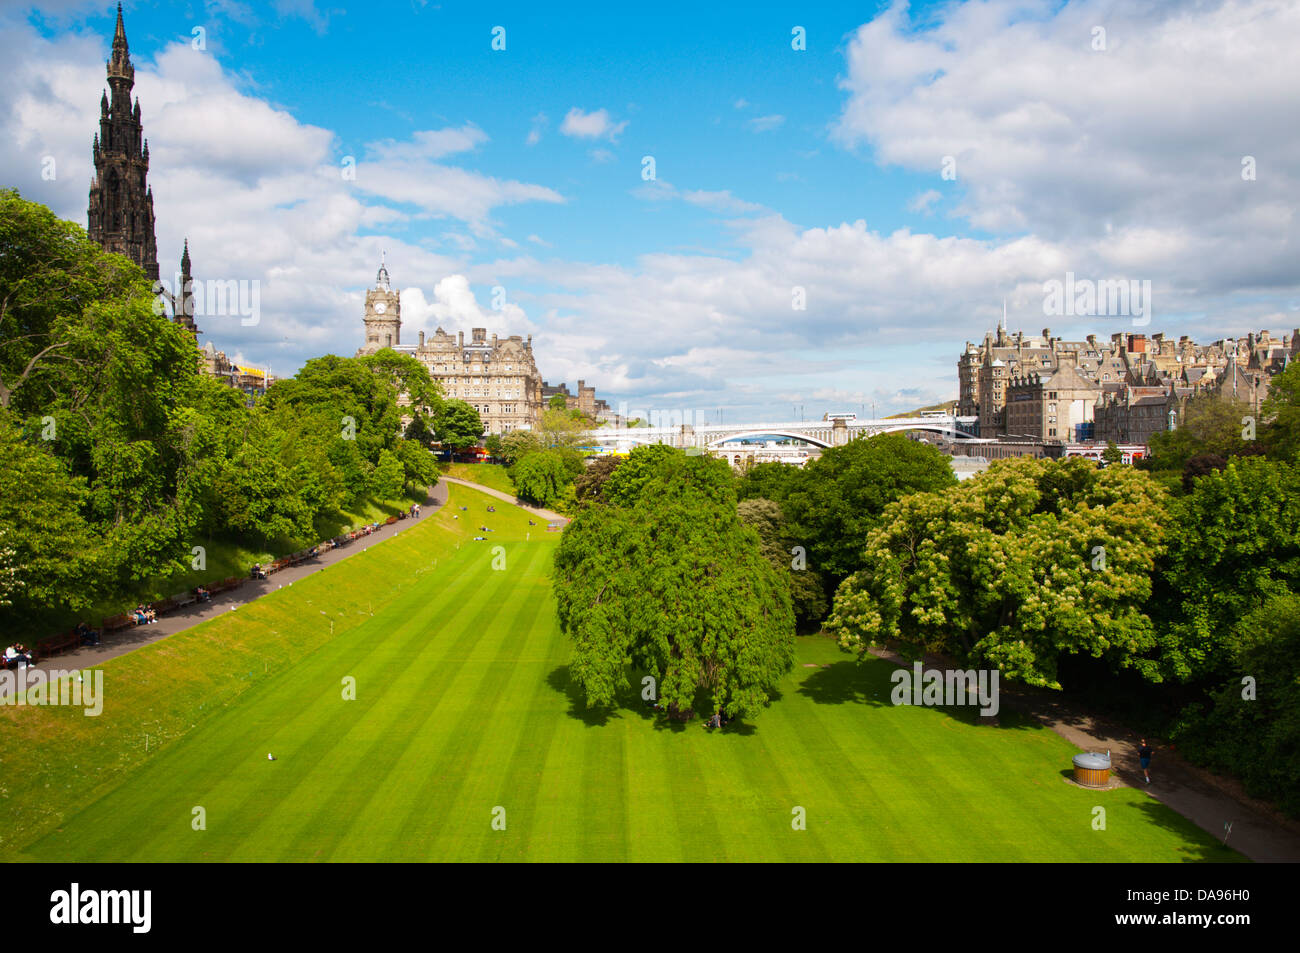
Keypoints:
pixel 383 315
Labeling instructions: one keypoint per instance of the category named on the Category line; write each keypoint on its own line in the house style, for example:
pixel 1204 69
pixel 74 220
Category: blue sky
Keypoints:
pixel 776 169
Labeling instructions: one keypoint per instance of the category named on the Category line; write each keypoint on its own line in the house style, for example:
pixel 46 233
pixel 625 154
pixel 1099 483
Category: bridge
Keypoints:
pixel 819 433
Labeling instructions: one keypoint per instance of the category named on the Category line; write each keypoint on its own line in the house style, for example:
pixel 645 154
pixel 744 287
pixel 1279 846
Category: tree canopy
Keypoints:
pixel 837 499
pixel 120 454
pixel 668 581
pixel 1028 561
pixel 458 425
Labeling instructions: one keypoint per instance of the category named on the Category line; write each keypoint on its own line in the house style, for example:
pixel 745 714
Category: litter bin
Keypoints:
pixel 1092 770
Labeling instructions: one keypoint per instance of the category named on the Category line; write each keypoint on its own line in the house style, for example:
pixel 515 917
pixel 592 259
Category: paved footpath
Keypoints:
pixel 1208 801
pixel 513 501
pixel 128 640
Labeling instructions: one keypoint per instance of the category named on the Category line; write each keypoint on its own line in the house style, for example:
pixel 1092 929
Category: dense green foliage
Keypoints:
pixel 1030 561
pixel 667 580
pixel 1036 564
pixel 543 477
pixel 1281 414
pixel 788 558
pixel 1235 546
pixel 1210 424
pixel 458 426
pixel 589 485
pixel 1250 724
pixel 837 499
pixel 121 456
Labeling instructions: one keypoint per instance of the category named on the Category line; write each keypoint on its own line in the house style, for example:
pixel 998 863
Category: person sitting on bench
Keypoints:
pixel 202 594
pixel 258 571
pixel 16 656
pixel 86 635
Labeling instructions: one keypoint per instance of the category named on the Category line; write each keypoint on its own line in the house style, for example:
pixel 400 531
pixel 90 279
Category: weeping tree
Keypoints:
pixel 671 583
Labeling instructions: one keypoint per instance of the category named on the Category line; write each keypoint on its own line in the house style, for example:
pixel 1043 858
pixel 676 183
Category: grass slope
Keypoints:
pixel 222 558
pixel 463 705
pixel 491 475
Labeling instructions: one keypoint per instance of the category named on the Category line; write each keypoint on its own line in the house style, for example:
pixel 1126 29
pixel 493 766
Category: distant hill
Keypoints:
pixel 948 407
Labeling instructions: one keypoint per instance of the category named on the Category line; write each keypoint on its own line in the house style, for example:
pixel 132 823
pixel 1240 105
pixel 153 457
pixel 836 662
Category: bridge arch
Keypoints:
pixel 805 438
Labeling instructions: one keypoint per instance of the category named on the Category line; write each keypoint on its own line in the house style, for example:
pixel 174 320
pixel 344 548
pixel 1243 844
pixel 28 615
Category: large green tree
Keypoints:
pixel 671 583
pixel 1210 424
pixel 54 558
pixel 837 499
pixel 458 426
pixel 561 428
pixel 1013 569
pixel 1249 725
pixel 1234 544
pixel 589 485
pixel 541 477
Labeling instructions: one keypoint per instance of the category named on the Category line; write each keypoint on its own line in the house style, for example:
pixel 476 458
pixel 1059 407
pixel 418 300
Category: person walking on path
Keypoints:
pixel 1144 756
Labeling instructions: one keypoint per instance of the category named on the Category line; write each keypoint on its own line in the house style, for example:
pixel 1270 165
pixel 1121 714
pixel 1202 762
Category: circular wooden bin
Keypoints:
pixel 1092 770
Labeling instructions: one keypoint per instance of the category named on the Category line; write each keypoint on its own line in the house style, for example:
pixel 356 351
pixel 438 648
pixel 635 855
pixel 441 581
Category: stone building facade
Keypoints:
pixel 1054 405
pixel 585 400
pixel 498 377
pixel 1125 389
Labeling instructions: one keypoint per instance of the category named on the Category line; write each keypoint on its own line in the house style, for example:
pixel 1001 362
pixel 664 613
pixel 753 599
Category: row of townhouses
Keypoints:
pixel 1045 389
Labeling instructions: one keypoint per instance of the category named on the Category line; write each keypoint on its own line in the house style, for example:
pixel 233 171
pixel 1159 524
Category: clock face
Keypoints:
pixel 380 307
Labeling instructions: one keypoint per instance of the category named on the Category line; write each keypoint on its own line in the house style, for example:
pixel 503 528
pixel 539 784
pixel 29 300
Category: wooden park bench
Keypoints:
pixel 55 644
pixel 183 599
pixel 390 521
pixel 117 622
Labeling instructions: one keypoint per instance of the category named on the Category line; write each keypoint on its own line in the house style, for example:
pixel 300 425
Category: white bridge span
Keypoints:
pixel 821 433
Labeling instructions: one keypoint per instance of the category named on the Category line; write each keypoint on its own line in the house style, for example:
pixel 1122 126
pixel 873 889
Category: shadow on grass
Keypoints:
pixel 629 702
pixel 561 680
pixel 848 681
pixel 1195 849
pixel 870 682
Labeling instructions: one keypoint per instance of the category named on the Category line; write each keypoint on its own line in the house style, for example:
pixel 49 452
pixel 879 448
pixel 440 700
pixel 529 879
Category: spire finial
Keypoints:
pixel 119 34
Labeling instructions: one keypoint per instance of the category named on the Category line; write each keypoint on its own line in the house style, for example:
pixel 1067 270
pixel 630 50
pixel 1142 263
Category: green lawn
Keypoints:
pixel 463 705
pixel 491 475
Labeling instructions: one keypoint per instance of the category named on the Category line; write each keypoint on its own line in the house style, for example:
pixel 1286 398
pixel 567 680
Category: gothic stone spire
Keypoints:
pixel 120 215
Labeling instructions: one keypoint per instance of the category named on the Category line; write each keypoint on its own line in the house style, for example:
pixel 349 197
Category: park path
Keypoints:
pixel 1258 830
pixel 128 640
pixel 513 501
